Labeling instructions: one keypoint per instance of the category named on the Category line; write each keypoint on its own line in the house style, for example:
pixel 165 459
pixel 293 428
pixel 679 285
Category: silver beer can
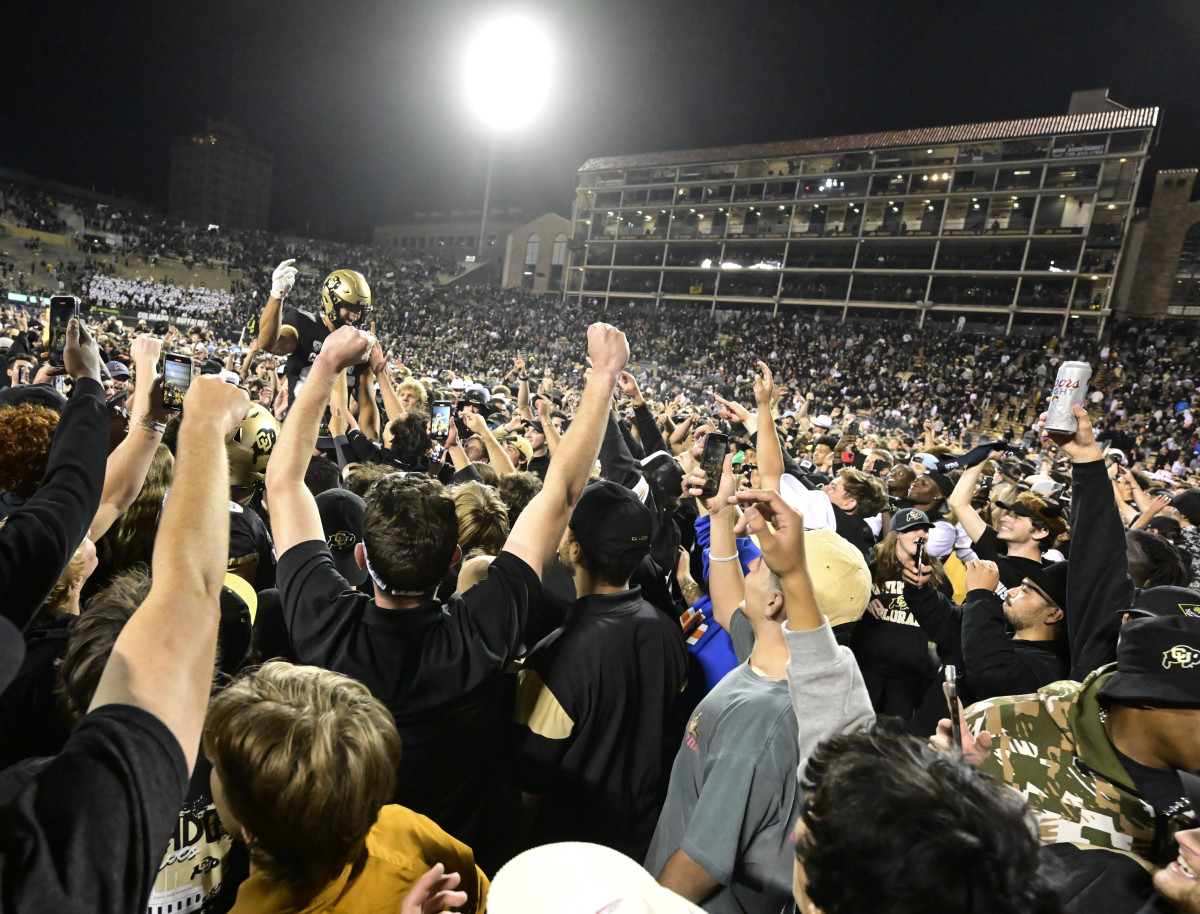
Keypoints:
pixel 1070 387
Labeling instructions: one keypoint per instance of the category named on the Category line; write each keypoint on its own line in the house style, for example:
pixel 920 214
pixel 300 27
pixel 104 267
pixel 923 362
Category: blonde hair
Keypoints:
pixel 131 539
pixel 417 388
pixel 482 518
pixel 56 603
pixel 307 758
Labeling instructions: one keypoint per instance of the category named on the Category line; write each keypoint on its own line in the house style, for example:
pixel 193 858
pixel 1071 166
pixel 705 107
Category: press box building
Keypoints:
pixel 1024 218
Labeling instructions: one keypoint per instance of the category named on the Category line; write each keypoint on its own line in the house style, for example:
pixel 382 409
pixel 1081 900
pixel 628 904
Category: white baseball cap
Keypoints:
pixel 578 878
pixel 824 422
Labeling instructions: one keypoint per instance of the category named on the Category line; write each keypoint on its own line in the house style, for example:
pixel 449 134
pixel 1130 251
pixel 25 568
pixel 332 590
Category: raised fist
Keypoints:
pixel 347 346
pixel 608 348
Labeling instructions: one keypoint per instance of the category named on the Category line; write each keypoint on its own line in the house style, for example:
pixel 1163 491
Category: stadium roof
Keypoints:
pixel 1121 119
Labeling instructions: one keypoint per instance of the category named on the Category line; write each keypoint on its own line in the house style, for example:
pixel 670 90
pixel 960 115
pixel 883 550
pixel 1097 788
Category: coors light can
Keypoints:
pixel 1070 387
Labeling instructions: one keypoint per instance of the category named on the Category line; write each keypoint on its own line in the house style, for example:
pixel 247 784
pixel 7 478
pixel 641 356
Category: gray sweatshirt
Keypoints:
pixel 827 689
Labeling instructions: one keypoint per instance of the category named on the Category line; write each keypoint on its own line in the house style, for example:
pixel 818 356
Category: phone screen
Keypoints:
pixel 716 446
pixel 62 309
pixel 952 703
pixel 177 377
pixel 439 425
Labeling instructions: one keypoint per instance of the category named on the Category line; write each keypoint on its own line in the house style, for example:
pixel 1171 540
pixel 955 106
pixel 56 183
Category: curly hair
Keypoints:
pixel 26 432
pixel 892 826
pixel 131 539
pixel 1154 561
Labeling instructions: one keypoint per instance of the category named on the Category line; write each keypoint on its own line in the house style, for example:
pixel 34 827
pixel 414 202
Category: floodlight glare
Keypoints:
pixel 507 71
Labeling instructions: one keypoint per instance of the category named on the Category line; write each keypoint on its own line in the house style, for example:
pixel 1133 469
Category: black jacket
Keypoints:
pixel 975 638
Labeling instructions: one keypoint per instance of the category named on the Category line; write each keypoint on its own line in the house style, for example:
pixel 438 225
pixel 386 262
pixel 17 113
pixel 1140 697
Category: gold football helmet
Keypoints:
pixel 250 447
pixel 345 289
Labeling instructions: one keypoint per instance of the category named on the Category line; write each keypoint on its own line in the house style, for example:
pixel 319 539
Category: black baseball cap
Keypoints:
pixel 942 481
pixel 909 519
pixel 1188 504
pixel 1158 660
pixel 476 397
pixel 609 518
pixel 664 472
pixel 1051 580
pixel 1165 526
pixel 342 515
pixel 238 603
pixel 1165 602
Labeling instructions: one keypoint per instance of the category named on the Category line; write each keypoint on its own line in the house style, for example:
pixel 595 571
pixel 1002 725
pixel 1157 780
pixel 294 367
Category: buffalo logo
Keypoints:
pixel 1182 656
pixel 208 863
pixel 343 539
pixel 331 287
pixel 1190 609
pixel 261 446
pixel 912 515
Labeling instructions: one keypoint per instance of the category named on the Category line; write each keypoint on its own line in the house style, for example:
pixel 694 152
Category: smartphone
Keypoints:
pixel 23 374
pixel 439 424
pixel 62 309
pixel 712 461
pixel 952 703
pixel 177 378
pixel 920 556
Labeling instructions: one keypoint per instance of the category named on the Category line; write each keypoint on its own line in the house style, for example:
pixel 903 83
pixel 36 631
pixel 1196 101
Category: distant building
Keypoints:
pixel 537 254
pixel 217 178
pixel 1164 252
pixel 454 233
pixel 1024 217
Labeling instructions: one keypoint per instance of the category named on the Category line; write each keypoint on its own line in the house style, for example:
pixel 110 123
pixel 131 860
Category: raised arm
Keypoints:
pixel 537 533
pixel 130 462
pixel 726 586
pixel 548 429
pixel 497 456
pixel 294 516
pixel 770 454
pixel 163 659
pixel 368 412
pixel 826 687
pixel 522 387
pixel 1098 582
pixel 960 502
pixel 379 366
pixel 41 535
pixel 272 336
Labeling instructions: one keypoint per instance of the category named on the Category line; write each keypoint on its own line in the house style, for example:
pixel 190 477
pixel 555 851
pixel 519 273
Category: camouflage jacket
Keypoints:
pixel 1052 747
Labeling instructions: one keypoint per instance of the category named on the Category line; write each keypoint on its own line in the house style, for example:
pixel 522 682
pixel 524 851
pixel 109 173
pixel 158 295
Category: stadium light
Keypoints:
pixel 507 78
pixel 507 71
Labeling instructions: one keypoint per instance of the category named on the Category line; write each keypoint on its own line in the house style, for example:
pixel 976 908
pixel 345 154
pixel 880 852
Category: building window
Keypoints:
pixel 532 246
pixel 558 254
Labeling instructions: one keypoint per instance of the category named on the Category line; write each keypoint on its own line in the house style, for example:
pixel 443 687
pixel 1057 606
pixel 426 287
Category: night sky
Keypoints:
pixel 361 103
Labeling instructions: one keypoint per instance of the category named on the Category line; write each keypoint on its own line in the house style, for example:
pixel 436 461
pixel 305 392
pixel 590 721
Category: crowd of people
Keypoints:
pixel 113 292
pixel 437 597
